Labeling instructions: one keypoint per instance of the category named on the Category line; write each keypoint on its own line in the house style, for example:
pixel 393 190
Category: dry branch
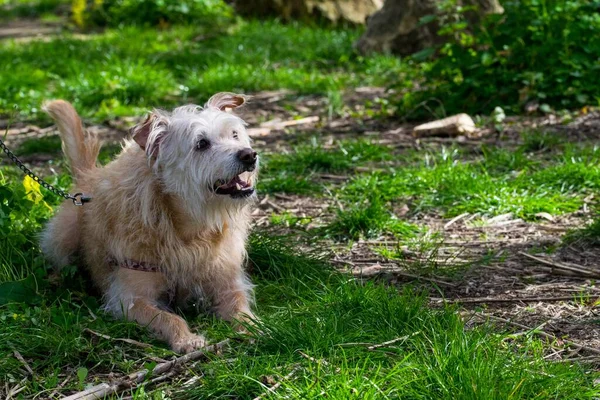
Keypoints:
pixel 581 271
pixel 130 341
pixel 504 300
pixel 377 269
pixel 389 342
pixel 276 125
pixel 276 386
pixel 455 219
pixel 104 389
pixel 22 360
pixel 541 333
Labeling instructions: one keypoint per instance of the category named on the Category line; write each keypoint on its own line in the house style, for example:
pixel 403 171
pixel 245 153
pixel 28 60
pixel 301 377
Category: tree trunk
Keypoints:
pixel 398 27
pixel 350 11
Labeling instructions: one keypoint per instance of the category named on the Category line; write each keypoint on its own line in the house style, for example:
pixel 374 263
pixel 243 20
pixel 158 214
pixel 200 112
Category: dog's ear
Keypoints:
pixel 141 132
pixel 225 100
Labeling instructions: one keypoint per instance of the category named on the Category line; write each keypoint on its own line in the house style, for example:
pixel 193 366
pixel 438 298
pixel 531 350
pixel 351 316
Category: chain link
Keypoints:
pixel 78 198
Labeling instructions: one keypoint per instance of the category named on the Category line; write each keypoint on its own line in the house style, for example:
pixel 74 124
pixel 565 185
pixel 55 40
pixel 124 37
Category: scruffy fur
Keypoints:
pixel 156 203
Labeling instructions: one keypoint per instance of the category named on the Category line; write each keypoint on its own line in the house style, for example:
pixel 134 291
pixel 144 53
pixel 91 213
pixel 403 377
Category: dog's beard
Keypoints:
pixel 200 200
pixel 239 187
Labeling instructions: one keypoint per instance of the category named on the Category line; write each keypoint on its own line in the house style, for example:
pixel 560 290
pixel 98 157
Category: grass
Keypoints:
pixel 127 70
pixel 305 307
pixel 542 175
pixel 45 144
pixel 369 217
pixel 44 9
pixel 587 236
pixel 500 182
pixel 296 171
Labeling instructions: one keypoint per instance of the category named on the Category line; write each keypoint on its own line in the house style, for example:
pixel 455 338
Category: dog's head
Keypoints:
pixel 202 154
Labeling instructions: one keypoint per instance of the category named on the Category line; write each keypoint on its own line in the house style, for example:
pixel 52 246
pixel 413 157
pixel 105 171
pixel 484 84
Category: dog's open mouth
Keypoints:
pixel 235 188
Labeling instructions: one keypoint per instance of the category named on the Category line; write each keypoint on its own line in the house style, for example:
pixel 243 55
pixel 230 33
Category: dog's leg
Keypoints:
pixel 134 295
pixel 231 294
pixel 60 238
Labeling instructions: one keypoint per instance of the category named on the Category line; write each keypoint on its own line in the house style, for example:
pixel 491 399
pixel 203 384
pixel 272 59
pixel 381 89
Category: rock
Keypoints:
pixel 350 11
pixel 456 125
pixel 405 27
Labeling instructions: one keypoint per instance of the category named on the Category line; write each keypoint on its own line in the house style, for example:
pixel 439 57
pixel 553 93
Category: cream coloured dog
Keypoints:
pixel 168 219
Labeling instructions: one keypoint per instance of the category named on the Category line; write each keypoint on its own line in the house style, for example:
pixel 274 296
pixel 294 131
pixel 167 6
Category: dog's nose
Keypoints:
pixel 247 156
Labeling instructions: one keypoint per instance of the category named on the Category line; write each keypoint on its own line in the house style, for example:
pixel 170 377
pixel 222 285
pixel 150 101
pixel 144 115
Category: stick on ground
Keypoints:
pixel 507 300
pixel 104 389
pixel 541 333
pixel 22 360
pixel 130 341
pixel 273 388
pixel 581 271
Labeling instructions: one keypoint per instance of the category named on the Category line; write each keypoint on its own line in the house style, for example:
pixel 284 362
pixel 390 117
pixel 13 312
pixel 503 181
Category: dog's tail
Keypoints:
pixel 80 146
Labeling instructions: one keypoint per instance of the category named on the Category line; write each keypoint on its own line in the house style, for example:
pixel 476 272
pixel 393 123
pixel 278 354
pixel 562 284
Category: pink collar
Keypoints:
pixel 142 266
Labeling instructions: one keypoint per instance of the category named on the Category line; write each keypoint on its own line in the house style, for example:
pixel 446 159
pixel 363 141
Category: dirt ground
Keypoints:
pixel 484 265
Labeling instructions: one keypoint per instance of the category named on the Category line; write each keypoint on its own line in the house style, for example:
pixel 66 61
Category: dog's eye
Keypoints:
pixel 202 144
pixel 235 135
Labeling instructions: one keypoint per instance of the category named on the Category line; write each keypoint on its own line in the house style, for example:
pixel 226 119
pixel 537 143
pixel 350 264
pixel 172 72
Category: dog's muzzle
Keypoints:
pixel 248 158
pixel 237 187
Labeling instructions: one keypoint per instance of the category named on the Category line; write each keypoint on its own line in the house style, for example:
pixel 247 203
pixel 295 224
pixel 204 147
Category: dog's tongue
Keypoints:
pixel 232 185
pixel 235 180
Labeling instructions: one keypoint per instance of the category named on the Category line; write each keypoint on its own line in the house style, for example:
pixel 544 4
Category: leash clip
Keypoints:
pixel 80 199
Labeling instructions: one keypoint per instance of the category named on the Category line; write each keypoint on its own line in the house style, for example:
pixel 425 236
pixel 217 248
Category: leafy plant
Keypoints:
pixel 540 51
pixel 23 211
pixel 150 12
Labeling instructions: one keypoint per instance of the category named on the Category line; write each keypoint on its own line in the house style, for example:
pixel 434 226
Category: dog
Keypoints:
pixel 168 219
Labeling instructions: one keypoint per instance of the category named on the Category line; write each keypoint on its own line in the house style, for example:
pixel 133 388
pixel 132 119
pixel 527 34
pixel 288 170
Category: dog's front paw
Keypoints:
pixel 188 344
pixel 249 326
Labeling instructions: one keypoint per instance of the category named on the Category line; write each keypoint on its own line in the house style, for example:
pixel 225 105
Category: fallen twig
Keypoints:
pixel 334 177
pixel 20 358
pixel 590 359
pixel 277 124
pixel 16 390
pixel 389 342
pixel 283 197
pixel 104 389
pixel 377 269
pixel 577 269
pixel 276 386
pixel 455 219
pixel 275 206
pixel 60 386
pixel 321 362
pixel 303 354
pixel 541 333
pixel 130 341
pixel 504 300
pixel 372 346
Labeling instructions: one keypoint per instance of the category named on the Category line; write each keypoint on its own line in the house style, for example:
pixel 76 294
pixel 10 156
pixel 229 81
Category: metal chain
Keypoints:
pixel 78 198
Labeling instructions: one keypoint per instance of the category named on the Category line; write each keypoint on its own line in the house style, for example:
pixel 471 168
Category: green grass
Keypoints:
pixel 369 217
pixel 542 175
pixel 500 182
pixel 45 9
pixel 23 211
pixel 296 171
pixel 124 71
pixel 45 144
pixel 586 236
pixel 305 307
